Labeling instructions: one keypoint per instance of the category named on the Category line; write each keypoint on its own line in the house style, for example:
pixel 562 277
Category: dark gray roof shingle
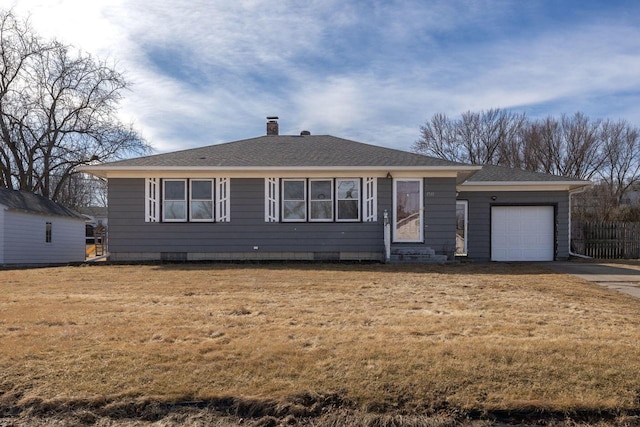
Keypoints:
pixel 35 203
pixel 287 151
pixel 490 173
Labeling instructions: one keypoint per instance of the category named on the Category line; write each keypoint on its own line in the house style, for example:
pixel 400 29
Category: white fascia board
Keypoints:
pixel 249 172
pixel 521 186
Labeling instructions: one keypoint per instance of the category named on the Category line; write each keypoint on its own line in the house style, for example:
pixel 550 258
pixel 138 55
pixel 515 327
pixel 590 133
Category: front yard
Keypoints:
pixel 464 339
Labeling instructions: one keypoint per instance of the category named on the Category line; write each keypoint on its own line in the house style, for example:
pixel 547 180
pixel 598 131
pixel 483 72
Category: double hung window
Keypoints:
pixel 182 200
pixel 294 200
pixel 321 200
pixel 201 200
pixel 348 196
pixel 174 203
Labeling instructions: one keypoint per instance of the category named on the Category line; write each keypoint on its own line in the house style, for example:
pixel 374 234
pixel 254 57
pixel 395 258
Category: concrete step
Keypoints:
pixel 413 254
pixel 412 250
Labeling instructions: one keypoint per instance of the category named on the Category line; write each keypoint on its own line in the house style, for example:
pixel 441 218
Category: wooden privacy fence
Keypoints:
pixel 606 240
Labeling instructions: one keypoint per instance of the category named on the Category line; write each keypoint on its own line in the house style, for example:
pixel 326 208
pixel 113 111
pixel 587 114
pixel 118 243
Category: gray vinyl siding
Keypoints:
pixel 23 239
pixel 479 225
pixel 247 236
pixel 440 215
pixel 130 237
pixel 385 199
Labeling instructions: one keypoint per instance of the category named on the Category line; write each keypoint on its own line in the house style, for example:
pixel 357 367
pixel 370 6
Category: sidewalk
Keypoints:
pixel 621 277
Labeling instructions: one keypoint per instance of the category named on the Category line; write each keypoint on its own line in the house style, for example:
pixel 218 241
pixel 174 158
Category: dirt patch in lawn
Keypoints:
pixel 271 343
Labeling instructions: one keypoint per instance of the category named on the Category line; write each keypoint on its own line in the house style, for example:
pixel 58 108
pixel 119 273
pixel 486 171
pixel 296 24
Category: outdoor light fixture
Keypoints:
pixel 389 175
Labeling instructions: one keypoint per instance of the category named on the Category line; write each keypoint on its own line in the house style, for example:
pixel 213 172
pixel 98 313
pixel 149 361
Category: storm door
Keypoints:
pixel 407 207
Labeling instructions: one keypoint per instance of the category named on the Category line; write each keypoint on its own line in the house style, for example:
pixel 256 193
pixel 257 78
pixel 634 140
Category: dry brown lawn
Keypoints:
pixel 379 338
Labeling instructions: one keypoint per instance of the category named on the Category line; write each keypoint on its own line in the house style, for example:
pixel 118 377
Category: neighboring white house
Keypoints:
pixel 95 215
pixel 36 230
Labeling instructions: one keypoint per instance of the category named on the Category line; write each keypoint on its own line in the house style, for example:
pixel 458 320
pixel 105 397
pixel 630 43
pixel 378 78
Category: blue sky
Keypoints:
pixel 209 71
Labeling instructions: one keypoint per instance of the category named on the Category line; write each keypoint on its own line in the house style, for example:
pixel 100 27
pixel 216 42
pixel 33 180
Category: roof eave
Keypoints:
pixel 103 171
pixel 522 185
pixel 43 213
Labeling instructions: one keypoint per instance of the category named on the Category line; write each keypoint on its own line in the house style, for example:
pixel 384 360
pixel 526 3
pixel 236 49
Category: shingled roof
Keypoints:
pixel 319 151
pixel 34 203
pixel 287 151
pixel 494 174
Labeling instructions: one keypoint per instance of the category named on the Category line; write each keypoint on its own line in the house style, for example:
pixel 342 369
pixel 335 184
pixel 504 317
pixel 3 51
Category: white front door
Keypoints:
pixel 407 208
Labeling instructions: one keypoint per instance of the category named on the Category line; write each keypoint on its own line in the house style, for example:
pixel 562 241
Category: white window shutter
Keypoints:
pixel 370 199
pixel 223 202
pixel 152 200
pixel 271 199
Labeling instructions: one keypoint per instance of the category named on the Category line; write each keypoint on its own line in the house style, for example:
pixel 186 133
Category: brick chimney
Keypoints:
pixel 272 125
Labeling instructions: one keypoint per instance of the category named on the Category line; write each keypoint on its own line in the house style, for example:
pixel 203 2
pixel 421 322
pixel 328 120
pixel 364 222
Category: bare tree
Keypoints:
pixel 595 204
pixel 621 157
pixel 570 146
pixel 512 128
pixel 58 110
pixel 487 134
pixel 542 145
pixel 606 152
pixel 82 190
pixel 580 154
pixel 439 138
pixel 478 138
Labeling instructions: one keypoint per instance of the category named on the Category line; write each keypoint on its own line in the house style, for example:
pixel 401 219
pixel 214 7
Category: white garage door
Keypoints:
pixel 522 233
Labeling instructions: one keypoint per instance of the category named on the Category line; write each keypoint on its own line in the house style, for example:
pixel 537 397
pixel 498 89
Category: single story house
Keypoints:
pixel 36 230
pixel 319 197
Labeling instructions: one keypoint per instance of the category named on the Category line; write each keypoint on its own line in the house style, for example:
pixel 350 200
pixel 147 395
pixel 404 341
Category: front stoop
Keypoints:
pixel 415 254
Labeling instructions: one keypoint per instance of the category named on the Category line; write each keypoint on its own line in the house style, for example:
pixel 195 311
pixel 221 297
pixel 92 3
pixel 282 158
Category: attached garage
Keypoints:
pixel 522 233
pixel 516 215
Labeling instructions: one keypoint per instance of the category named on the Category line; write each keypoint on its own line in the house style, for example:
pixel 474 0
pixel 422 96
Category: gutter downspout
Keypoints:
pixel 571 193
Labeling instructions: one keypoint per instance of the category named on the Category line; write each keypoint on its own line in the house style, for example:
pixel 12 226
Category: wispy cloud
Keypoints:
pixel 210 71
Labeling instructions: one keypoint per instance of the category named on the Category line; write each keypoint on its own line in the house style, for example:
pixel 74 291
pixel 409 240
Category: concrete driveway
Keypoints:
pixel 621 277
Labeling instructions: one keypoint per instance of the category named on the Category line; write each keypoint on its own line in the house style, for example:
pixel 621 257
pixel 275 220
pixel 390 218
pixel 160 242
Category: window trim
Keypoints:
pixel 358 204
pixel 155 200
pixel 465 248
pixel 305 199
pixel 211 200
pixel 185 200
pixel 152 200
pixel 332 200
pixel 272 199
pixel 222 196
pixel 370 199
pixel 421 217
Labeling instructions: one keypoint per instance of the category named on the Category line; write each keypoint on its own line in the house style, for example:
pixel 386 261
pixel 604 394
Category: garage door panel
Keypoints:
pixel 522 233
